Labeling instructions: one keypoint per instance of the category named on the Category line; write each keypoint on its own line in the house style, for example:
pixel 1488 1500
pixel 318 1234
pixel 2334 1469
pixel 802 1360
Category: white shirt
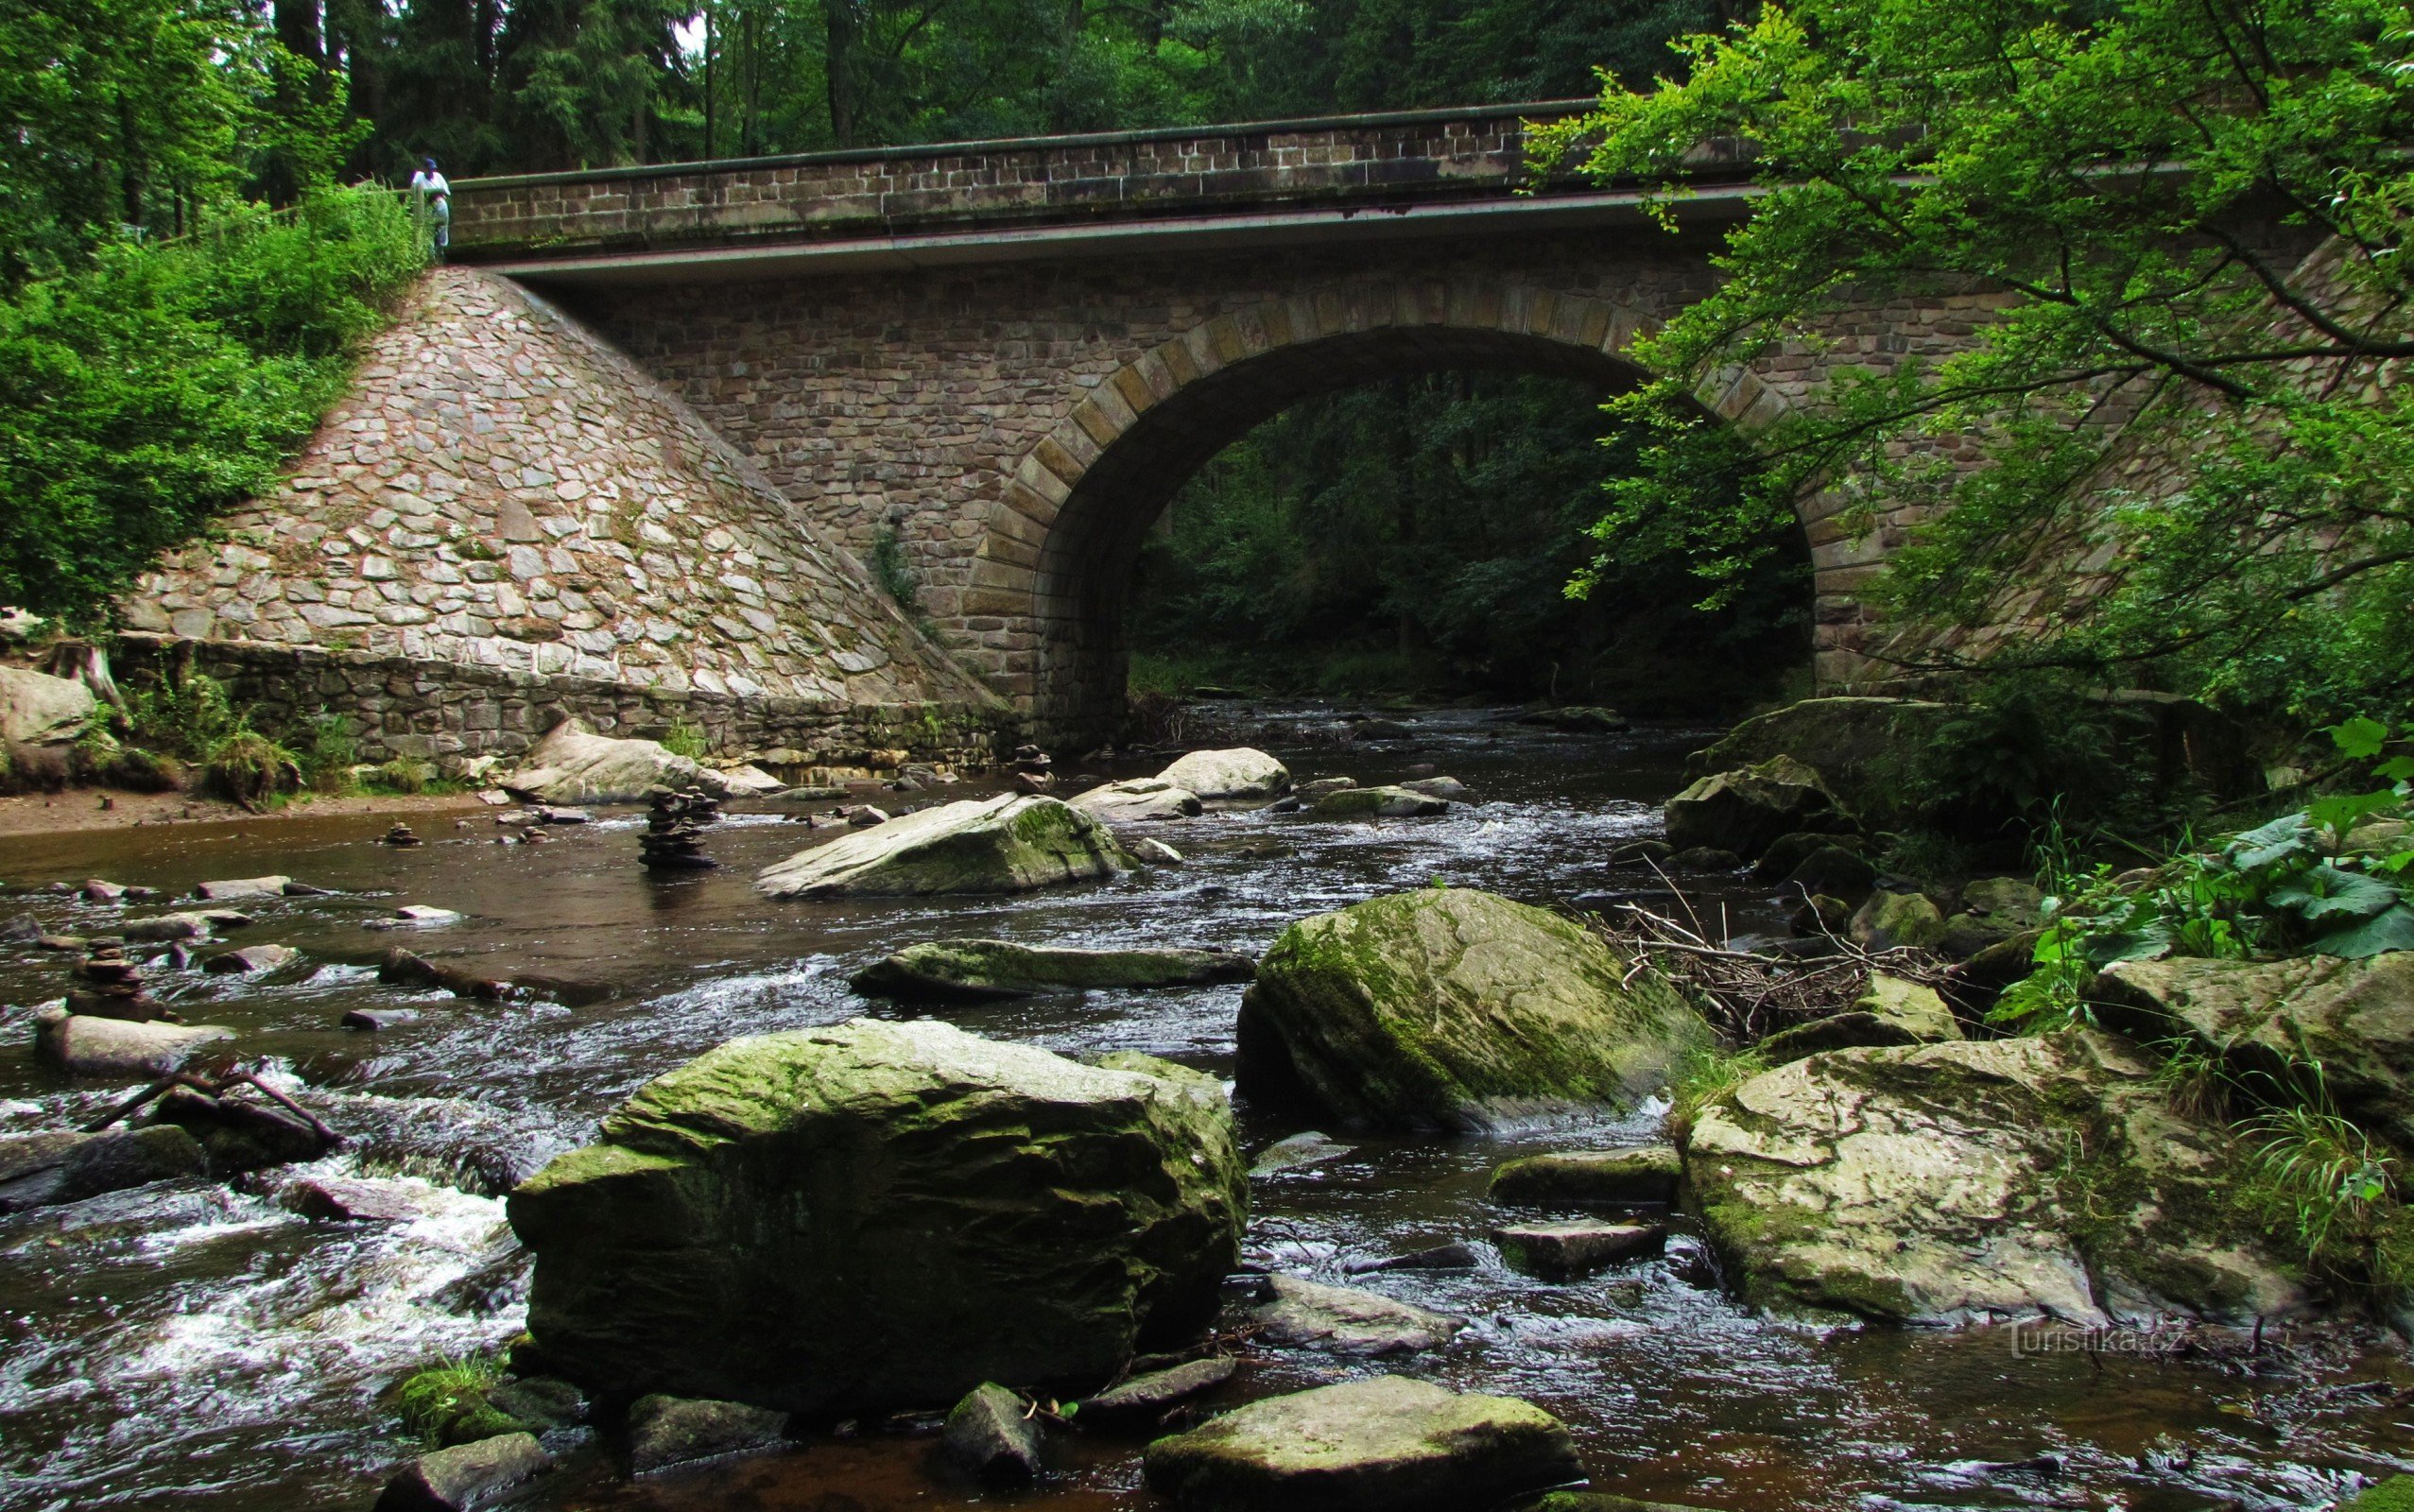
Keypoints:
pixel 431 183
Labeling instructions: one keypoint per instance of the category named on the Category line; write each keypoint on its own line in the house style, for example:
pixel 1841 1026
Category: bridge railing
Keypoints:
pixel 1373 161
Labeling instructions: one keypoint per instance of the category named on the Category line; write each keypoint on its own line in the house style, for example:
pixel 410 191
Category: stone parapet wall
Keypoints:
pixel 1426 156
pixel 442 711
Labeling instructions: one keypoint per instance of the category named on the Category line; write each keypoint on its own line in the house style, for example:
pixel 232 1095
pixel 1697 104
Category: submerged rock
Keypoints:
pixel 1137 799
pixel 86 1046
pixel 574 765
pixel 879 1215
pixel 453 1480
pixel 249 959
pixel 1297 1151
pixel 1004 844
pixel 1976 1180
pixel 973 970
pixel 1448 1007
pixel 1579 1178
pixel 1379 804
pixel 1385 1445
pixel 1345 1320
pixel 164 928
pixel 2267 1017
pixel 666 1430
pixel 1745 811
pixel 1227 775
pixel 990 1436
pixel 1452 1256
pixel 40 1170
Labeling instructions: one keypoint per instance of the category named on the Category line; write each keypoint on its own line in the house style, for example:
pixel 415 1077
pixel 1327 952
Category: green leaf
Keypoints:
pixel 2326 892
pixel 2359 737
pixel 2338 813
pixel 2286 837
pixel 2395 769
pixel 2148 944
pixel 2392 931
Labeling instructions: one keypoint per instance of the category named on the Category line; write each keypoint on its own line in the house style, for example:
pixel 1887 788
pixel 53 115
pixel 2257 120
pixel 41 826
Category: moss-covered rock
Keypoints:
pixel 974 970
pixel 1973 1180
pixel 2267 1017
pixel 1747 810
pixel 1889 920
pixel 1579 1178
pixel 1004 844
pixel 1385 1445
pixel 1452 1008
pixel 879 1215
pixel 1854 743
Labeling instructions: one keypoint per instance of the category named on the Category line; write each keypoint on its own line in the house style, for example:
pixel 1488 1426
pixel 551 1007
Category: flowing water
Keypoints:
pixel 200 1346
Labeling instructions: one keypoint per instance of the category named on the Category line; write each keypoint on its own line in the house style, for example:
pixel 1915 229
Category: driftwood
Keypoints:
pixel 215 1088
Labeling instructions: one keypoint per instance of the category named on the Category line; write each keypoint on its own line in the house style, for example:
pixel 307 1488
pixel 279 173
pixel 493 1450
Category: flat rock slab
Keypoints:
pixel 164 928
pixel 416 916
pixel 1379 804
pixel 992 1436
pixel 1978 1181
pixel 230 889
pixel 574 765
pixel 453 1480
pixel 85 1045
pixel 998 844
pixel 1138 798
pixel 666 1430
pixel 1345 1320
pixel 1564 1252
pixel 1145 1399
pixel 1238 773
pixel 1579 1178
pixel 977 970
pixel 1384 1445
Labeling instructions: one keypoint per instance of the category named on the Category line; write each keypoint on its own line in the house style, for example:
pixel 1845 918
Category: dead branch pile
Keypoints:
pixel 1748 995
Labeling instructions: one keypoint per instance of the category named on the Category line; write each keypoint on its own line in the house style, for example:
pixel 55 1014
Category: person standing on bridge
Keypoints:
pixel 435 206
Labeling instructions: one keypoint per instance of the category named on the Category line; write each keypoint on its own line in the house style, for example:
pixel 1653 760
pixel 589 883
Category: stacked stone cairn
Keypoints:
pixel 674 837
pixel 106 985
pixel 1033 770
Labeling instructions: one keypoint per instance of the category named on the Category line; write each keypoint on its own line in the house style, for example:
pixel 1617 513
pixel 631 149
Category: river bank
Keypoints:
pixel 81 809
pixel 113 1310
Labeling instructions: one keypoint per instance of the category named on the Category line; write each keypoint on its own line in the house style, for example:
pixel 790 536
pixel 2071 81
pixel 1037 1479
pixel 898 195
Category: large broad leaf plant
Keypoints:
pixel 2320 881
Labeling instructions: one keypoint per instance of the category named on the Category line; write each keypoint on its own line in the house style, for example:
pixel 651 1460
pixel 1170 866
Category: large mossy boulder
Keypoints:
pixel 1856 744
pixel 1003 844
pixel 986 970
pixel 2267 1018
pixel 1747 810
pixel 1388 1444
pixel 1452 1008
pixel 38 709
pixel 1977 1181
pixel 879 1216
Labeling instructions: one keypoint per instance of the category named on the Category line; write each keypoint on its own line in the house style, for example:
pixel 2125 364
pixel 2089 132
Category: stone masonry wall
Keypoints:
pixel 962 408
pixel 504 499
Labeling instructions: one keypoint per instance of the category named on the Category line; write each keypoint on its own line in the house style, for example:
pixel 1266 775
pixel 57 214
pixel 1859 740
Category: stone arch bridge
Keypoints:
pixel 1010 354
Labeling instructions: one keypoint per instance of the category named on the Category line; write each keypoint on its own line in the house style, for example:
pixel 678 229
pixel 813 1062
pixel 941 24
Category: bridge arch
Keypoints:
pixel 1051 573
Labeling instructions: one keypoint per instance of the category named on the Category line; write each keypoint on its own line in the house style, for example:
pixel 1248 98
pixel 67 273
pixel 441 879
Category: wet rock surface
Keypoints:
pixel 1347 1320
pixel 1238 774
pixel 991 1436
pixel 1589 1178
pixel 469 1475
pixel 667 1430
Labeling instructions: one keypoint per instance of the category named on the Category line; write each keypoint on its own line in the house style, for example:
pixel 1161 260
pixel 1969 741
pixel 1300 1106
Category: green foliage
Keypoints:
pixel 1704 1076
pixel 164 383
pixel 446 1404
pixel 895 576
pixel 186 713
pixel 686 738
pixel 327 753
pixel 1416 536
pixel 1914 146
pixel 407 775
pixel 2328 1171
pixel 250 769
pixel 2023 750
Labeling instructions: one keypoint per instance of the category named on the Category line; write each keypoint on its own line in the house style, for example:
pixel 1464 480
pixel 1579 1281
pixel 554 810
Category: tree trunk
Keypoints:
pixel 838 60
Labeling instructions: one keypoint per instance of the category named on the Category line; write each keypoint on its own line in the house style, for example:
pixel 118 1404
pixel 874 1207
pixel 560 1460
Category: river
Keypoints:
pixel 198 1345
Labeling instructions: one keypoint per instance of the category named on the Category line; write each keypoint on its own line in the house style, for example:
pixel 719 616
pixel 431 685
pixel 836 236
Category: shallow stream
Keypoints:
pixel 194 1346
